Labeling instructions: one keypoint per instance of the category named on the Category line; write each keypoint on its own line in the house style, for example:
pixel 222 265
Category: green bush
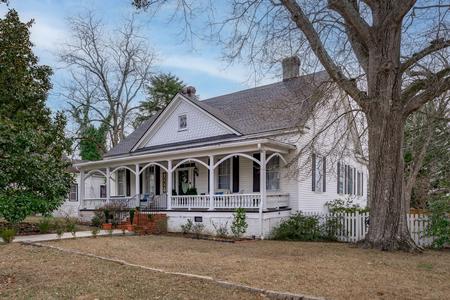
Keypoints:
pixel 71 226
pixel 239 224
pixel 131 216
pixel 439 225
pixel 298 227
pixel 187 228
pixel 45 225
pixel 95 231
pixel 345 205
pixel 98 219
pixel 8 234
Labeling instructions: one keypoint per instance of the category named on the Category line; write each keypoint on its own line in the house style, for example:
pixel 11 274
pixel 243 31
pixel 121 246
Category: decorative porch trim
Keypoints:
pixel 121 168
pixel 152 163
pixel 236 154
pixel 92 172
pixel 276 154
pixel 189 159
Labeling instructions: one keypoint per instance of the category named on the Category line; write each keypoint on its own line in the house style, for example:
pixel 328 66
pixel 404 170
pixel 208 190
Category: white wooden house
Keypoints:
pixel 203 159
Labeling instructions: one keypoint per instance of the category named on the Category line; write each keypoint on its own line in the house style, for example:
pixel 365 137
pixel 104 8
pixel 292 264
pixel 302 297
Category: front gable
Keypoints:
pixel 199 124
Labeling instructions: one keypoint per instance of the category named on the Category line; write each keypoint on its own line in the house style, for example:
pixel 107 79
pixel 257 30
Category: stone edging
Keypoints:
pixel 276 295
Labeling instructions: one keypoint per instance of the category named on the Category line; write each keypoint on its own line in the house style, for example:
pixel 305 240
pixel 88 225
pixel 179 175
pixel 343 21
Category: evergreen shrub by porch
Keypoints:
pixel 8 235
pixel 299 227
pixel 239 224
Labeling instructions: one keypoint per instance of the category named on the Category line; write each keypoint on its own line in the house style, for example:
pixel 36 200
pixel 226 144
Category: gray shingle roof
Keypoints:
pixel 276 106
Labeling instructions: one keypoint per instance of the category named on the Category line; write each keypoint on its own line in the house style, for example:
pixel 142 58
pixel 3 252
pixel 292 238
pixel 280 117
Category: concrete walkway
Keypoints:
pixel 66 235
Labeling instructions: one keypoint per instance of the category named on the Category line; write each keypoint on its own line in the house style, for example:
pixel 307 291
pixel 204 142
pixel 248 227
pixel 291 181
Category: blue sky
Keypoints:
pixel 199 64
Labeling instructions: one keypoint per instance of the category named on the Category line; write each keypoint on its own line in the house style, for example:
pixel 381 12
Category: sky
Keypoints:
pixel 198 64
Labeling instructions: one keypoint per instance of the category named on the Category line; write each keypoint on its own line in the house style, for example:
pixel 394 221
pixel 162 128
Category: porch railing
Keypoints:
pixel 188 201
pixel 237 200
pixel 226 201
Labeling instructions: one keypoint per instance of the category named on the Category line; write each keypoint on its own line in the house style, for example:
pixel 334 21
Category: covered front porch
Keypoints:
pixel 220 177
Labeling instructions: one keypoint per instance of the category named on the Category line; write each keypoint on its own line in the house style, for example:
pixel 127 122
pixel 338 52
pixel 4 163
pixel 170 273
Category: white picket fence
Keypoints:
pixel 353 227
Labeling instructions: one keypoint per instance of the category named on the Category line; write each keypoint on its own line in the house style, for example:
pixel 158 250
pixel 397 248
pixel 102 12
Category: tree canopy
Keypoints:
pixel 161 89
pixel 33 177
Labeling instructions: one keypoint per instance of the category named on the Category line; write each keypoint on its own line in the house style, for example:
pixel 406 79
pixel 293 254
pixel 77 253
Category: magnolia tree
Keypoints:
pixel 33 176
pixel 377 52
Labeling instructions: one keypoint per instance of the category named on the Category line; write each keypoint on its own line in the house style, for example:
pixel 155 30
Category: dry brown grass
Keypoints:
pixel 27 272
pixel 322 269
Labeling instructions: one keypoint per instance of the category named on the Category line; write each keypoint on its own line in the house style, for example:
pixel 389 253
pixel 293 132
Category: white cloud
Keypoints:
pixel 208 66
pixel 46 36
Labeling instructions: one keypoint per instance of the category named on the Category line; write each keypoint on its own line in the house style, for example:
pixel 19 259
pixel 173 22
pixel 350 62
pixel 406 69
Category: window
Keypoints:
pixel 349 180
pixel 273 174
pixel 121 182
pixel 73 194
pixel 182 122
pixel 103 191
pixel 319 173
pixel 224 175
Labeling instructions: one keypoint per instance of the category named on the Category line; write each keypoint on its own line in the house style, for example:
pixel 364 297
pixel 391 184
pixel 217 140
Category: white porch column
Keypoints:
pixel 262 190
pixel 211 182
pixel 137 185
pixel 82 188
pixel 169 184
pixel 108 184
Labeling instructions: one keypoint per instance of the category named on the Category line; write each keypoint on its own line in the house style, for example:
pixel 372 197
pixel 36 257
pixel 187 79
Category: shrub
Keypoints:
pixel 187 228
pixel 98 219
pixel 239 225
pixel 45 225
pixel 114 211
pixel 221 229
pixel 59 228
pixel 8 234
pixel 95 232
pixel 71 226
pixel 131 216
pixel 197 230
pixel 345 205
pixel 298 227
pixel 439 225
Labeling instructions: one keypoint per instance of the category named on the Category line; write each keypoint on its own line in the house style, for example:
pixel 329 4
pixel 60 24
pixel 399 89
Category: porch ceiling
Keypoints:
pixel 200 150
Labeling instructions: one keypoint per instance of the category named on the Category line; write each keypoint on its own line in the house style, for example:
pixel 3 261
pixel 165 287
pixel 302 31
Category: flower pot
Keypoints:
pixel 107 226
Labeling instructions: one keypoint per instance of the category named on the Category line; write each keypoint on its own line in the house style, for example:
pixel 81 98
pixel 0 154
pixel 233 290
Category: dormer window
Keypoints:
pixel 182 122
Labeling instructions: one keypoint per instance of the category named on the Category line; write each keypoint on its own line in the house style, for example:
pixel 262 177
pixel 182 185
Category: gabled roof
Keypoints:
pixel 282 105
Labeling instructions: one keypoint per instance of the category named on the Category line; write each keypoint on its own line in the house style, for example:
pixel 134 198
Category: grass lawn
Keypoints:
pixel 332 270
pixel 28 272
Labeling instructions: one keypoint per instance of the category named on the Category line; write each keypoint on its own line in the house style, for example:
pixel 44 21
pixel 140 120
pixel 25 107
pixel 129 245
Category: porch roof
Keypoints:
pixel 195 149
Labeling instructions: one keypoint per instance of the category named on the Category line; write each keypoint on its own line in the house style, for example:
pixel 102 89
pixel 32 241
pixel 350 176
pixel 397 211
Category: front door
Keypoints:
pixel 183 181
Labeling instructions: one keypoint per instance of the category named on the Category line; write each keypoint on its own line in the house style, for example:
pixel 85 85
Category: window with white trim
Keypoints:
pixel 349 180
pixel 224 175
pixel 273 174
pixel 319 173
pixel 103 191
pixel 182 122
pixel 121 179
pixel 73 194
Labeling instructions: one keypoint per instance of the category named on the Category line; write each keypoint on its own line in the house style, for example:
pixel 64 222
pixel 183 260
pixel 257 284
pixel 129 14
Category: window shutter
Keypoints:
pixel 128 182
pixel 338 177
pixel 236 174
pixel 362 183
pixel 324 177
pixel 157 180
pixel 313 168
pixel 256 172
pixel 354 181
pixel 345 180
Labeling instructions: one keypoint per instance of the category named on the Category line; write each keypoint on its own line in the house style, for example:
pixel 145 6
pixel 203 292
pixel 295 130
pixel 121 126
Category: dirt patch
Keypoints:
pixel 331 270
pixel 28 272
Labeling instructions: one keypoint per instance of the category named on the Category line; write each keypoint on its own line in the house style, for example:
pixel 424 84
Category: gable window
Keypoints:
pixel 224 175
pixel 73 194
pixel 121 183
pixel 182 122
pixel 319 173
pixel 273 174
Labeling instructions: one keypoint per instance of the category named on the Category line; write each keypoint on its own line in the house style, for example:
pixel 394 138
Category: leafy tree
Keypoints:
pixel 92 143
pixel 33 177
pixel 162 89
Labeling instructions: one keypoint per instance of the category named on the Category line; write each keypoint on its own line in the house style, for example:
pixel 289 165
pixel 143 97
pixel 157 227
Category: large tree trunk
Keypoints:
pixel 388 226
